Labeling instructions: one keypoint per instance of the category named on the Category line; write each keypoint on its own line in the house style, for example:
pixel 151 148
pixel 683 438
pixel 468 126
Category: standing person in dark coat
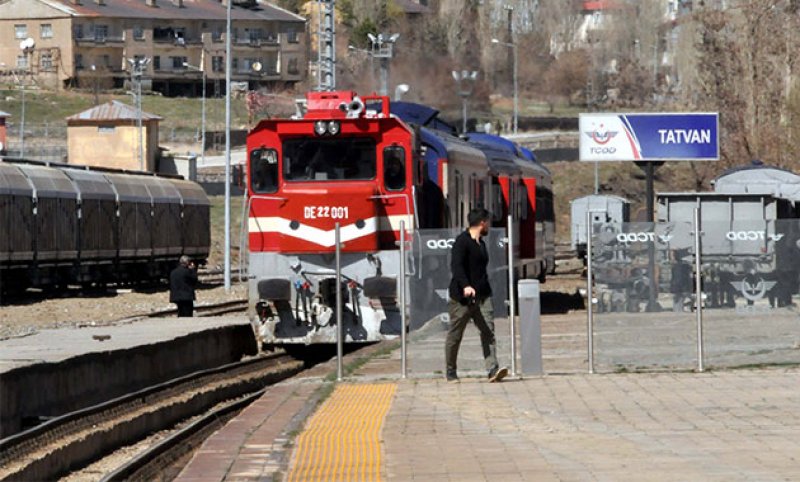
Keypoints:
pixel 680 283
pixel 182 282
pixel 471 296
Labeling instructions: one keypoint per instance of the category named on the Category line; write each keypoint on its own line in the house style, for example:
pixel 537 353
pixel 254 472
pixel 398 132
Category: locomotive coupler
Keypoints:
pixel 264 310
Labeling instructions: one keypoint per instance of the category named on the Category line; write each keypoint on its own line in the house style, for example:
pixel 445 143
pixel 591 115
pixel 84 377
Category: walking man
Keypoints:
pixel 471 296
pixel 182 282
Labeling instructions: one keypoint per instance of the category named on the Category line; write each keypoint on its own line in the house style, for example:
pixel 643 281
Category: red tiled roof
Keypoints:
pixel 601 5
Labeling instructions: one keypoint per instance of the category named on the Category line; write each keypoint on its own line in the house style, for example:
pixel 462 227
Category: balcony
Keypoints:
pixel 270 40
pixel 177 42
pixel 99 40
pixel 271 73
pixel 104 71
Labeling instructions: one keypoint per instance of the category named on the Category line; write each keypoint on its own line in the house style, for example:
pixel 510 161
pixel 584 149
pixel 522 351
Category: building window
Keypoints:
pixel 248 64
pixel 291 66
pixel 138 32
pixel 22 61
pixel 157 62
pixel 46 61
pixel 273 65
pixel 217 64
pixel 100 32
pixel 106 61
pixel 292 37
pixel 234 63
pixel 46 30
pixel 78 62
pixel 254 35
pixel 21 31
pixel 77 31
pixel 216 34
pixel 177 63
pixel 105 129
pixel 180 35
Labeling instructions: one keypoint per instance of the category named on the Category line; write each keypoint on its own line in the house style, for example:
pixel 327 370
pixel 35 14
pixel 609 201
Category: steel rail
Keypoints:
pixel 14 449
pixel 150 463
pixel 212 309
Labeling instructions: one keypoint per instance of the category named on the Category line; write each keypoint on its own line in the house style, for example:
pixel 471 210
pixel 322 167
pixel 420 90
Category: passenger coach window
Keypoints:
pixel 343 159
pixel 263 170
pixel 394 168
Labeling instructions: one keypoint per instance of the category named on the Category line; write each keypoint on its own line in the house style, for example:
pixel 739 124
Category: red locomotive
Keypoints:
pixel 366 169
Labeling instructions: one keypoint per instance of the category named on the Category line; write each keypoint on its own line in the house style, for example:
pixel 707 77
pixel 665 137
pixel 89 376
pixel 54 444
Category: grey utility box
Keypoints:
pixel 530 326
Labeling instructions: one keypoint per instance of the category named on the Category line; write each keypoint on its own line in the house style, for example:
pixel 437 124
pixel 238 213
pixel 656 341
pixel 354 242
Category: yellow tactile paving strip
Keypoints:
pixel 341 441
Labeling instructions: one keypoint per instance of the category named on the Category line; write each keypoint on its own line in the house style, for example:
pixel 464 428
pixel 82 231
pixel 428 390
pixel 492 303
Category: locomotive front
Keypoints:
pixel 342 164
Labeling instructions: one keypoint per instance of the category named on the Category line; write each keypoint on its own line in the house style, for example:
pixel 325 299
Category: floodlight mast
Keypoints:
pixel 202 70
pixel 138 65
pixel 383 49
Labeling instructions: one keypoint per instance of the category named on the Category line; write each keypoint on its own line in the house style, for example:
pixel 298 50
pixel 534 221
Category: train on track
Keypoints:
pixel 73 225
pixel 751 233
pixel 369 164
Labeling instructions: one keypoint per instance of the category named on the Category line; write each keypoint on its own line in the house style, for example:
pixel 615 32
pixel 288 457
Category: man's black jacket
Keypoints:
pixel 468 267
pixel 182 281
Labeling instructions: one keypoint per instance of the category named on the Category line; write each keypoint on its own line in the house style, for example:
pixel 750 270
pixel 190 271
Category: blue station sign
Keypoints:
pixel 649 137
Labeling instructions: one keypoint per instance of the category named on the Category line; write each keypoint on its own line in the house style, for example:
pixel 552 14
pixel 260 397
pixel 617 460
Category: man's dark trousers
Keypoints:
pixel 481 312
pixel 185 309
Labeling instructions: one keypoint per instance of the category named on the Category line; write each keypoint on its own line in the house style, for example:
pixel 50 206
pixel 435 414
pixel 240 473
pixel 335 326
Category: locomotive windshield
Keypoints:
pixel 343 158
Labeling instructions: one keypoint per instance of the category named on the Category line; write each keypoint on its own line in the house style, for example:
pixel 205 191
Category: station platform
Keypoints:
pixel 56 371
pixel 565 425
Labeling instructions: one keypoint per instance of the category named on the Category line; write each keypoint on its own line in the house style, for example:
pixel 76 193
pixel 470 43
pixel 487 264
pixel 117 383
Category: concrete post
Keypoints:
pixel 530 326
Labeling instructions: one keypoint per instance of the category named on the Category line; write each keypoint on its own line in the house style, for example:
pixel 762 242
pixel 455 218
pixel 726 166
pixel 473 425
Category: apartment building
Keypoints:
pixel 86 42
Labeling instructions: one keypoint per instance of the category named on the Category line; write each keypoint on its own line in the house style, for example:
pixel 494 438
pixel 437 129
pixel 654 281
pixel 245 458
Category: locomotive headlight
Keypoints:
pixel 320 128
pixel 334 128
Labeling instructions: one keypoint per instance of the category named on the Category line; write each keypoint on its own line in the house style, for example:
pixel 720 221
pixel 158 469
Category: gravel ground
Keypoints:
pixel 36 312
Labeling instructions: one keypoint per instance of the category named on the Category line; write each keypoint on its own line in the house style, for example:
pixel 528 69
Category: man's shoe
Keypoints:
pixel 451 376
pixel 498 374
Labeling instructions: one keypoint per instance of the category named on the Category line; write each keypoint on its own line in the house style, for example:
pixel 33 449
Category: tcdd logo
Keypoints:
pixel 440 243
pixel 601 135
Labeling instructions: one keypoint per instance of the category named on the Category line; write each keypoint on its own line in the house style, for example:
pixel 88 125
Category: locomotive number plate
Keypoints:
pixel 321 212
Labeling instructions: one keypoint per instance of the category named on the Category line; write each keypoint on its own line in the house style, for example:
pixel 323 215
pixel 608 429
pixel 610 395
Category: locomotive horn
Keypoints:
pixel 355 107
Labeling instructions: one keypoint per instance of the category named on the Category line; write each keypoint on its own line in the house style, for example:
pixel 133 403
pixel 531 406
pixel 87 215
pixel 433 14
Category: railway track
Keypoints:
pixel 66 443
pixel 212 309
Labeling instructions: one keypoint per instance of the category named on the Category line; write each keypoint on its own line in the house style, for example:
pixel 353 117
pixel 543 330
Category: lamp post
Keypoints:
pixel 202 70
pixel 22 123
pixel 138 65
pixel 466 82
pixel 228 66
pixel 513 47
pixel 94 80
pixel 26 46
pixel 400 90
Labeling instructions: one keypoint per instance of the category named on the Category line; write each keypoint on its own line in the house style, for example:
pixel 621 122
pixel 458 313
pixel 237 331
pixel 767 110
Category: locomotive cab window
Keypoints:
pixel 263 171
pixel 394 168
pixel 339 159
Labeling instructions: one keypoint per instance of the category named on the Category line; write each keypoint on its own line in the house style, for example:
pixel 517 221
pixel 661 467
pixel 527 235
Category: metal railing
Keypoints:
pixel 692 295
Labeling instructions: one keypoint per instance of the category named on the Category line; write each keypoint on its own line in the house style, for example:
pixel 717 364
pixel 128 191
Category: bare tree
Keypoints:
pixel 566 77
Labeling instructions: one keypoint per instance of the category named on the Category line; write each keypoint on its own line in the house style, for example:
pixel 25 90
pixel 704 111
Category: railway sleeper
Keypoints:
pixel 91 438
